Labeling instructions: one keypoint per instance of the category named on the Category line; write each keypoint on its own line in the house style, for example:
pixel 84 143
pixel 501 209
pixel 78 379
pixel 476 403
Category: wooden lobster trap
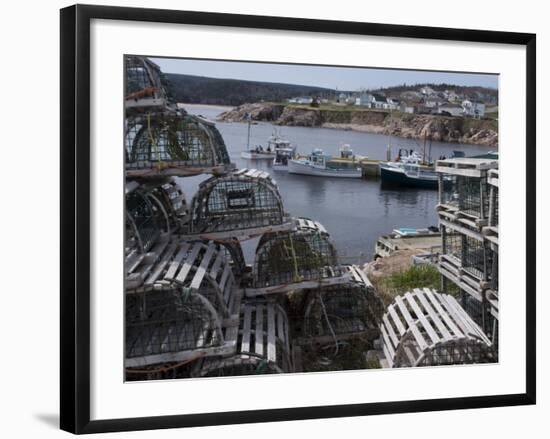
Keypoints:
pixel 240 204
pixel 263 344
pixel 170 142
pixel 301 258
pixel 181 304
pixel 425 328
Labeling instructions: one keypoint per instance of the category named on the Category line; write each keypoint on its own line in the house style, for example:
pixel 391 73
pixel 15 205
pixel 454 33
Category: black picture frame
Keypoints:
pixel 75 217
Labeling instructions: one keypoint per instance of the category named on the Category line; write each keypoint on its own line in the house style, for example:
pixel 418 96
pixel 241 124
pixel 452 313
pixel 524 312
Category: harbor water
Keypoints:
pixel 355 212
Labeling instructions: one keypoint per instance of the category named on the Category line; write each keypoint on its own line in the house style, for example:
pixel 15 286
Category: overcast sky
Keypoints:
pixel 343 78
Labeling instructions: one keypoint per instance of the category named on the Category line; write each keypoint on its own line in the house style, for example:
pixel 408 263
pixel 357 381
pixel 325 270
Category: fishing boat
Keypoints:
pixel 409 169
pixel 257 152
pixel 321 165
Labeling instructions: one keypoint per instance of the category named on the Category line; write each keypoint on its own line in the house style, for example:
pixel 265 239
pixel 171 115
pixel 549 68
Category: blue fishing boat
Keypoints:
pixel 409 170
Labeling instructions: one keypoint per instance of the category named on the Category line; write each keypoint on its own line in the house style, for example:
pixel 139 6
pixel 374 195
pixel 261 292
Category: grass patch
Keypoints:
pixel 416 276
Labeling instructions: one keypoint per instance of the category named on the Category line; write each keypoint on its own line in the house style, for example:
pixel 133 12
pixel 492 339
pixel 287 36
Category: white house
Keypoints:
pixel 391 104
pixel 378 101
pixel 301 100
pixel 473 108
pixel 364 99
pixel 452 109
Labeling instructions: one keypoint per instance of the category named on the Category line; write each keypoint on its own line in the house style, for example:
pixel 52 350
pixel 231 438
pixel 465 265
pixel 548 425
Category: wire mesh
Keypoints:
pixel 338 310
pixel 236 202
pixel 168 321
pixel 143 79
pixel 173 138
pixel 469 195
pixel 143 221
pixel 295 256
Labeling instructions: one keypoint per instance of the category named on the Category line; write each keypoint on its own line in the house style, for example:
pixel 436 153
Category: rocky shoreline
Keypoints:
pixel 411 126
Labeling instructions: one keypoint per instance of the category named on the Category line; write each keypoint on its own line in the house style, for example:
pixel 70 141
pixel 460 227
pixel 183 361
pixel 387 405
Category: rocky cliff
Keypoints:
pixel 415 126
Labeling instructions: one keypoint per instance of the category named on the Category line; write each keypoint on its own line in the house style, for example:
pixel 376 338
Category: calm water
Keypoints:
pixel 355 212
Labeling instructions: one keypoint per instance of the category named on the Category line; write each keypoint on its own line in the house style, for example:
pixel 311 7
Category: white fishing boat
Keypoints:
pixel 321 165
pixel 257 152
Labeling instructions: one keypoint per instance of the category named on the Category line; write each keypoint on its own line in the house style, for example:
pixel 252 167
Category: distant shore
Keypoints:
pixel 411 126
pixel 213 107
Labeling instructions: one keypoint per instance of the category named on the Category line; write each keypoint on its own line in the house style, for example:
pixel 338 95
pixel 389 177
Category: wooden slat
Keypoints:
pixel 223 280
pixel 216 265
pixel 162 264
pixel 245 344
pixel 411 324
pixel 433 314
pixel 420 315
pixel 390 331
pixel 186 268
pixel 280 326
pixel 464 326
pixel 259 334
pixel 201 271
pixel 171 272
pixel 397 320
pixel 433 299
pixel 387 342
pixel 271 349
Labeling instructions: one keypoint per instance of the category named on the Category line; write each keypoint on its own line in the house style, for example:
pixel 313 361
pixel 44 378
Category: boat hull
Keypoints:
pixel 256 155
pixel 398 177
pixel 295 167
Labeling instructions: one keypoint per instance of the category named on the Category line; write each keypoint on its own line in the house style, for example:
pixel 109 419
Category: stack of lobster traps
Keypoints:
pixel 193 306
pixel 468 217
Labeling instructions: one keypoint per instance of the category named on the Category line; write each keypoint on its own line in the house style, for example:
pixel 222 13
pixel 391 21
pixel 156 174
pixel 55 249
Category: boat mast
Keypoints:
pixel 248 138
pixel 424 152
pixel 388 151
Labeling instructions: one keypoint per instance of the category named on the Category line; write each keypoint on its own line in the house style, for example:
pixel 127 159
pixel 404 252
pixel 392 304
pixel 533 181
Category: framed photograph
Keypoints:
pixel 275 218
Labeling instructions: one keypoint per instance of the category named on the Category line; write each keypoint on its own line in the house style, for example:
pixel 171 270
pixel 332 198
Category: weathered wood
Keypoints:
pixel 245 343
pixel 271 348
pixel 201 271
pixel 259 331
pixel 410 323
pixel 188 264
pixel 174 265
pixel 422 318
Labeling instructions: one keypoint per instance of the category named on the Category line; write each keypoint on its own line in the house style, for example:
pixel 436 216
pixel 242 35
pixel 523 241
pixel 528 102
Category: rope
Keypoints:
pixel 329 325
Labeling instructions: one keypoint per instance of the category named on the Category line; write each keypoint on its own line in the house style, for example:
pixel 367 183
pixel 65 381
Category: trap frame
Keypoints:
pixel 263 344
pixel 425 328
pixel 240 204
pixel 171 142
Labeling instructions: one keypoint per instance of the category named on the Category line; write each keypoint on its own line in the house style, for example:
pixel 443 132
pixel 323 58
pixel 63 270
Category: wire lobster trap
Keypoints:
pixel 463 188
pixel 467 195
pixel 303 254
pixel 240 204
pixel 338 312
pixel 469 255
pixel 144 220
pixel 425 328
pixel 263 344
pixel 181 301
pixel 144 84
pixel 173 324
pixel 199 266
pixel 172 142
pixel 169 199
